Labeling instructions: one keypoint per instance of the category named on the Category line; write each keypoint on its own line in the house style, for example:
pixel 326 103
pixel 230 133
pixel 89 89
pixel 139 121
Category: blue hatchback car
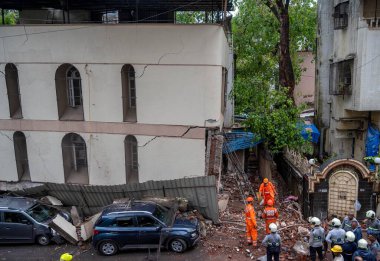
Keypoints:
pixel 141 224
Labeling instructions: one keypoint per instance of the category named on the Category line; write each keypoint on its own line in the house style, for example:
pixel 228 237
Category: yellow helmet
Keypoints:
pixel 266 180
pixel 66 257
pixel 337 249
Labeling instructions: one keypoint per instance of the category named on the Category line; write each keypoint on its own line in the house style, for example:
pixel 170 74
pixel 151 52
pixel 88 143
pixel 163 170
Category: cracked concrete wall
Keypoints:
pixel 178 70
pixel 159 158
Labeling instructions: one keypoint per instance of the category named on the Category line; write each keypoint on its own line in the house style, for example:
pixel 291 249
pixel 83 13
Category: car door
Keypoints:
pixel 124 231
pixel 16 227
pixel 150 230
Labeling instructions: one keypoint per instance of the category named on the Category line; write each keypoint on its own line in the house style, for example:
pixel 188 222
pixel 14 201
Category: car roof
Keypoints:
pixel 130 206
pixel 19 203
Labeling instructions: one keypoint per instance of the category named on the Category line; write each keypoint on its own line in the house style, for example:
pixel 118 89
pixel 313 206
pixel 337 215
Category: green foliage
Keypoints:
pixel 10 17
pixel 271 114
pixel 190 17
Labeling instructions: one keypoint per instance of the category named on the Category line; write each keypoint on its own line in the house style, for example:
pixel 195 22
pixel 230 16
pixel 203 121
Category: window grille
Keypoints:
pixel 74 89
pixel 341 76
pixel 341 15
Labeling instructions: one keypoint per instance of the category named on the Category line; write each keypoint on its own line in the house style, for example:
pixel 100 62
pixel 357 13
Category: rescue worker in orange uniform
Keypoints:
pixel 250 219
pixel 270 214
pixel 267 191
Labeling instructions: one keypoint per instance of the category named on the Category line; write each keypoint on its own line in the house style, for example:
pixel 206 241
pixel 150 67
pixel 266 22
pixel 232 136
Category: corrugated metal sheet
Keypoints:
pixel 200 191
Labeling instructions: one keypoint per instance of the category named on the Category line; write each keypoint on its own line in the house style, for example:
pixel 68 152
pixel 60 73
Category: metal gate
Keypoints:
pixel 343 192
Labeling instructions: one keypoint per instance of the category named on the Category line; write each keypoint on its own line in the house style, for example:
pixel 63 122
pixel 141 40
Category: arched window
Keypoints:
pixel 128 93
pixel 74 155
pixel 11 79
pixel 68 85
pixel 131 159
pixel 21 156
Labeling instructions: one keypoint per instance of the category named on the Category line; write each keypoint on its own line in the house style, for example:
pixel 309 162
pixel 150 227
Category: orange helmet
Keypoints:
pixel 270 203
pixel 249 199
pixel 266 180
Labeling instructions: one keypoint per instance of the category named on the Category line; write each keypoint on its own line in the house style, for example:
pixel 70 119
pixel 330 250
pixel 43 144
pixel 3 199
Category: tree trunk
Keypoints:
pixel 286 75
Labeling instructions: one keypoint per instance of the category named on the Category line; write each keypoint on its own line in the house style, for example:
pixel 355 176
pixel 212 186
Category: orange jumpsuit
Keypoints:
pixel 270 215
pixel 250 219
pixel 267 192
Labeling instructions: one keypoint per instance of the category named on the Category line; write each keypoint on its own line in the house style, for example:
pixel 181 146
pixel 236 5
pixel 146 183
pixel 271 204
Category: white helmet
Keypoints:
pixel 336 222
pixel 273 227
pixel 350 237
pixel 315 221
pixel 363 244
pixel 370 214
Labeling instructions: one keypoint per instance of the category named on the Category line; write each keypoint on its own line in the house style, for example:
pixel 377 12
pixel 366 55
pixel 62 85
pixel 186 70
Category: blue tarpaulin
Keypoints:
pixel 239 140
pixel 310 132
pixel 372 144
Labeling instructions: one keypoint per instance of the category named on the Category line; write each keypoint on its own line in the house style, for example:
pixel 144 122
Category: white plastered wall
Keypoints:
pixel 8 169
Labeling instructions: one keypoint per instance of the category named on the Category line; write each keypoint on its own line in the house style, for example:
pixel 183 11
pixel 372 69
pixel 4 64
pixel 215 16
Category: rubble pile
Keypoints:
pixel 228 237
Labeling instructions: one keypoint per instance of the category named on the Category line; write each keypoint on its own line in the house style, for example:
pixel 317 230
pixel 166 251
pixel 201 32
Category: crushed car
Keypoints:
pixel 25 220
pixel 143 224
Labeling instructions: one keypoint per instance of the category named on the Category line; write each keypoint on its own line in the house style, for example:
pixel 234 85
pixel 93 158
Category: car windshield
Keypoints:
pixel 42 213
pixel 162 214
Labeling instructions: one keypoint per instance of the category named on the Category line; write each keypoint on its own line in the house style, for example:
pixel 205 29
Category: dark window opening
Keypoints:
pixel 131 159
pixel 128 93
pixel 341 15
pixel 21 156
pixel 13 90
pixel 224 89
pixel 69 93
pixel 74 155
pixel 341 77
pixel 371 13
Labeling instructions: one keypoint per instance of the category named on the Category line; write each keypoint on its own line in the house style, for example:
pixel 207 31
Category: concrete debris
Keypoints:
pixel 50 200
pixel 75 216
pixel 223 202
pixel 65 229
pixel 301 248
pixel 303 231
pixel 87 227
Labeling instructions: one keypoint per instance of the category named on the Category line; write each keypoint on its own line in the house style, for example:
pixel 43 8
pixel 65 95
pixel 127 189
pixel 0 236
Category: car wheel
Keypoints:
pixel 108 248
pixel 43 240
pixel 177 245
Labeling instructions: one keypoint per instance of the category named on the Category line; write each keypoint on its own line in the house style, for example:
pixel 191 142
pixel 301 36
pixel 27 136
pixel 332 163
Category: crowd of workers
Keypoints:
pixel 344 238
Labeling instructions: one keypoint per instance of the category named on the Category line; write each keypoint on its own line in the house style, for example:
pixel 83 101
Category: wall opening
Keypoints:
pixel 13 89
pixel 74 155
pixel 21 155
pixel 341 77
pixel 131 159
pixel 128 93
pixel 341 15
pixel 224 89
pixel 68 85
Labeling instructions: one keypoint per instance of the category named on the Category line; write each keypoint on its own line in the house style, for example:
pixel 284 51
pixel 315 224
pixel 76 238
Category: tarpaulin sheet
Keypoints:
pixel 239 140
pixel 310 132
pixel 372 144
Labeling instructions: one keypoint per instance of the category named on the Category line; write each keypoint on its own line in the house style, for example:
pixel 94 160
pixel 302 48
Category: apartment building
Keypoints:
pixel 112 93
pixel 347 101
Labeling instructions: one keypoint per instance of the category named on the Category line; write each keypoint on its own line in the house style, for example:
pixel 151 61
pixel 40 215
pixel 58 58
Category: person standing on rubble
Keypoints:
pixel 336 235
pixel 250 219
pixel 267 191
pixel 357 230
pixel 349 247
pixel 347 222
pixel 317 236
pixel 273 243
pixel 373 224
pixel 363 251
pixel 270 215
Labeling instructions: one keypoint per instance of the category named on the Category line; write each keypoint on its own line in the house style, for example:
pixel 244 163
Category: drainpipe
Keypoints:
pixel 321 143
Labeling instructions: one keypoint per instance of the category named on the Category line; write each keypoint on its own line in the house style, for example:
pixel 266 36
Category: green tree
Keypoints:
pixel 10 17
pixel 258 92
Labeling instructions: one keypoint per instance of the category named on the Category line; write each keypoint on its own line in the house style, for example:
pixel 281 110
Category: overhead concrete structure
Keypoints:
pixel 77 80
